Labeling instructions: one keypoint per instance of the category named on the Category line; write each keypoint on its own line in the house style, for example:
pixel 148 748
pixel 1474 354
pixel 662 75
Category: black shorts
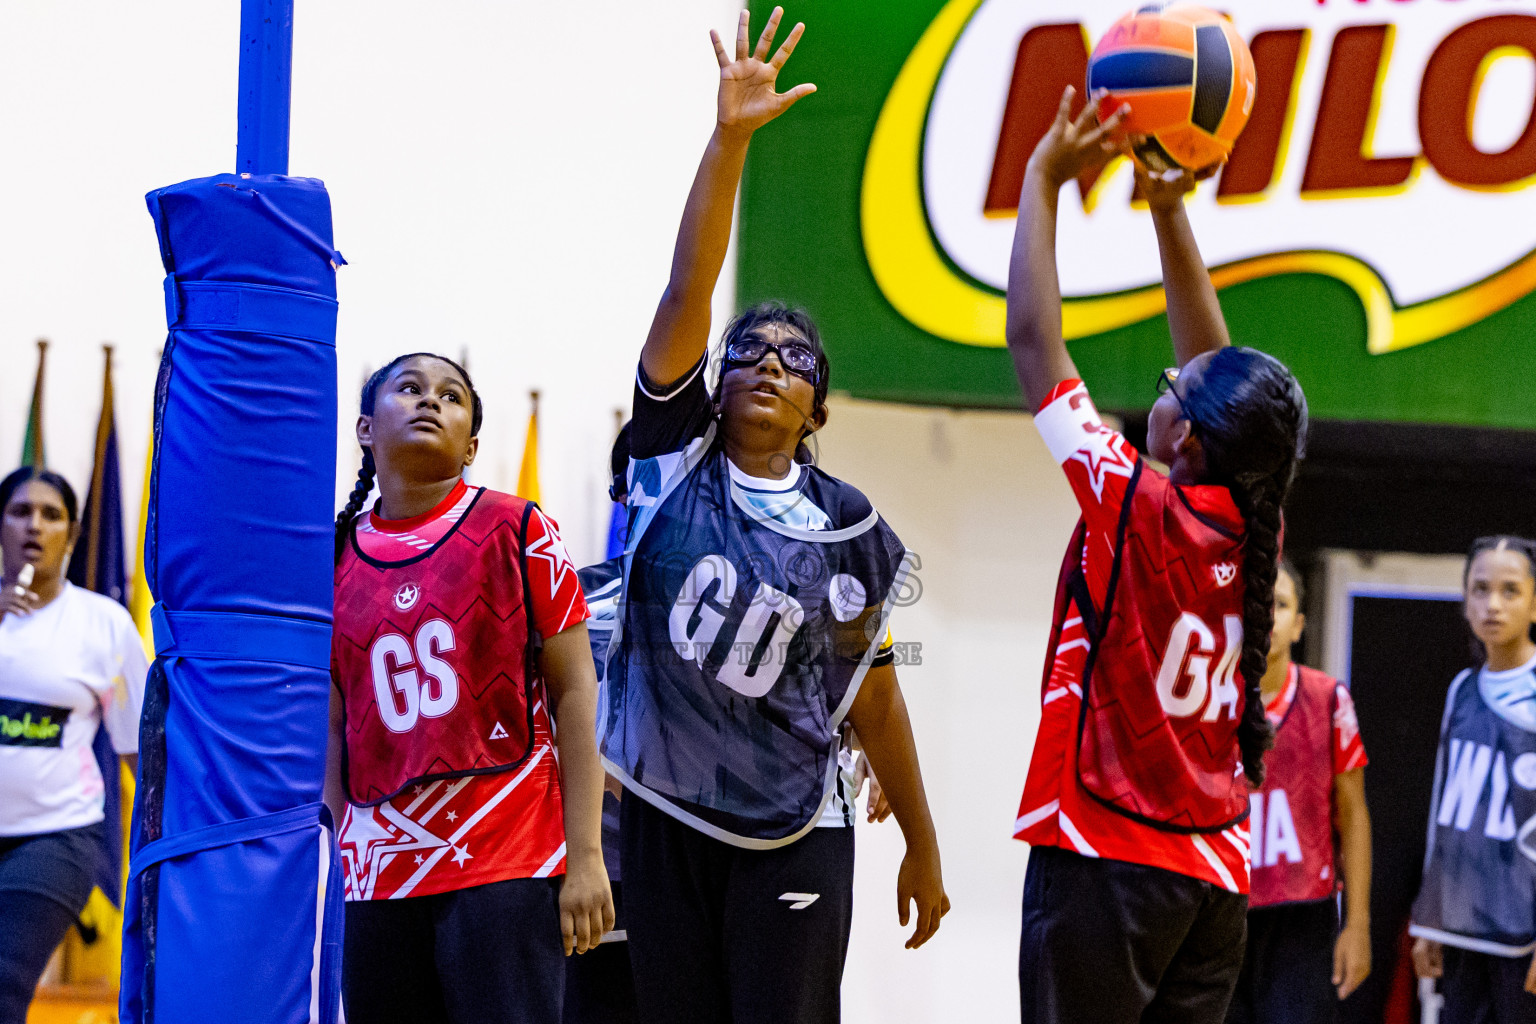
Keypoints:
pixel 61 866
pixel 1109 942
pixel 489 954
pixel 1480 988
pixel 723 935
pixel 1287 975
pixel 599 986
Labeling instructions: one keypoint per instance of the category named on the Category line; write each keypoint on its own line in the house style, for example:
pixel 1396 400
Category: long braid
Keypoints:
pixel 1259 504
pixel 360 492
pixel 1251 419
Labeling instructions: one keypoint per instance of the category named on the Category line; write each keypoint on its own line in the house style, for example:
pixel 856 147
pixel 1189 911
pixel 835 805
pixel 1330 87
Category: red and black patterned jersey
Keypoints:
pixel 1317 737
pixel 1149 627
pixel 445 829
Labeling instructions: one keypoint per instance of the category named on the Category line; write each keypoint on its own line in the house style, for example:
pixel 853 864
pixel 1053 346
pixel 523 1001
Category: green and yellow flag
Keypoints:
pixel 32 444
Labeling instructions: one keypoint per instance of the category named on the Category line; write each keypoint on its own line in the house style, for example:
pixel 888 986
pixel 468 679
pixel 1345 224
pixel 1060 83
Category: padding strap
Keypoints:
pixel 228 833
pixel 253 308
pixel 235 636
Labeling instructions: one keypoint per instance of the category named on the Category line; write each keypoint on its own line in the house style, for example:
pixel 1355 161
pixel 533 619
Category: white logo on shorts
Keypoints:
pixel 800 900
pixel 498 733
pixel 1225 573
pixel 407 596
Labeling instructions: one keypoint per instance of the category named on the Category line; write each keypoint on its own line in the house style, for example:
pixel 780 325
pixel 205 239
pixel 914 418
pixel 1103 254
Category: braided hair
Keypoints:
pixel 368 471
pixel 1251 418
pixel 1497 542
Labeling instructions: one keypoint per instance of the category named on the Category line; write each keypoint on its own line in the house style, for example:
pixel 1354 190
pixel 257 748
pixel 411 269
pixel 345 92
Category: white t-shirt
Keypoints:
pixel 65 669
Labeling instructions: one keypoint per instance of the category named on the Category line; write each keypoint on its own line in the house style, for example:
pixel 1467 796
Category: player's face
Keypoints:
pixel 764 406
pixel 1289 622
pixel 1501 597
pixel 1167 426
pixel 421 421
pixel 35 530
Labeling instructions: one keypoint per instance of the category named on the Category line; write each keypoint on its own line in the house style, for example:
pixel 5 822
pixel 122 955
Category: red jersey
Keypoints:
pixel 449 833
pixel 1148 771
pixel 1317 737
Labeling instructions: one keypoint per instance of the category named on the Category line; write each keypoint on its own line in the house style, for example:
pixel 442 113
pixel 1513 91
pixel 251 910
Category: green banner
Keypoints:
pixel 1375 227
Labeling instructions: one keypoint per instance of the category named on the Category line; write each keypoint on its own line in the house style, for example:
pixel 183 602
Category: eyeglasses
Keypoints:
pixel 1165 382
pixel 798 359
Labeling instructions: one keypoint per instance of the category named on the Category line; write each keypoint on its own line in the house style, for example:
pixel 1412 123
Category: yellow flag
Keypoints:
pixel 140 600
pixel 528 475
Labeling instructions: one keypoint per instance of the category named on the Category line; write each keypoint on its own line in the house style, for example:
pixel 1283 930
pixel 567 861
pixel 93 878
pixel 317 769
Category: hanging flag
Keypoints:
pixel 97 564
pixel 618 518
pixel 528 475
pixel 140 600
pixel 32 444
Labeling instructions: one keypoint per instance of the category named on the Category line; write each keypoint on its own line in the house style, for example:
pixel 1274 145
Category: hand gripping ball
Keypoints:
pixel 1186 75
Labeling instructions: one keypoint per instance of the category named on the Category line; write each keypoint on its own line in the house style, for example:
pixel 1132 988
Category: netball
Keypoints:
pixel 1188 78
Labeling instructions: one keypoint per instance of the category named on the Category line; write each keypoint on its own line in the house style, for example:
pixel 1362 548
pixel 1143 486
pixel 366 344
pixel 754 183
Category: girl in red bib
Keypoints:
pixel 1298 963
pixel 460 643
pixel 1135 805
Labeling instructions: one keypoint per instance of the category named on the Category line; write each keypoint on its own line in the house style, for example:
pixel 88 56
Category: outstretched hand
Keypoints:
pixel 1072 147
pixel 748 99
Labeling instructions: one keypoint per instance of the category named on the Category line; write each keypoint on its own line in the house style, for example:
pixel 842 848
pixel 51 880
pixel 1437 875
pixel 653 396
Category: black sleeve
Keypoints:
pixel 667 418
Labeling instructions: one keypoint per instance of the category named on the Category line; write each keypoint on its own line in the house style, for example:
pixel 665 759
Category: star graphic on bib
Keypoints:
pixel 461 854
pixel 452 815
pixel 549 550
pixel 1103 453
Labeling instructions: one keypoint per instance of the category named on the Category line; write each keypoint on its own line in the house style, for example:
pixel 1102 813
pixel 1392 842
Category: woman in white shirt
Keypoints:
pixel 70 662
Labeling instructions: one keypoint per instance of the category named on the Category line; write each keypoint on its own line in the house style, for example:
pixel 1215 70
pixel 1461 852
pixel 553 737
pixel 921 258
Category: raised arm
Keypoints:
pixel 1034 292
pixel 1194 315
pixel 747 101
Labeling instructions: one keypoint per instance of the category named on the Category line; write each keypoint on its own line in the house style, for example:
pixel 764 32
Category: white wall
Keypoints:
pixel 507 180
pixel 977 496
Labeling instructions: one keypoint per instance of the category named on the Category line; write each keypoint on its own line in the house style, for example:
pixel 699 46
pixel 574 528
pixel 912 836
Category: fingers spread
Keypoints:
pixel 1086 117
pixel 789 45
pixel 743 47
pixel 720 55
pixel 795 95
pixel 770 30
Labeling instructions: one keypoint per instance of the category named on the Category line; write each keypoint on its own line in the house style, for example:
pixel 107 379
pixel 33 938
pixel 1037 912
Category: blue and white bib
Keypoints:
pixel 1479 888
pixel 749 616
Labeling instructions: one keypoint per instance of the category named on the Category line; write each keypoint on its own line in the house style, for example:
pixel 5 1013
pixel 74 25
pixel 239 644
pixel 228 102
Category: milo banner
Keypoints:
pixel 1375 226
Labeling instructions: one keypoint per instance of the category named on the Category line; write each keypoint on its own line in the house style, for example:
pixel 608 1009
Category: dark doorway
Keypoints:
pixel 1404 652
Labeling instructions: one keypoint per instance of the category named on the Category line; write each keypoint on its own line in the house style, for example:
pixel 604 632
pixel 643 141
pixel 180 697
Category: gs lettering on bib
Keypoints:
pixel 747 622
pixel 433 655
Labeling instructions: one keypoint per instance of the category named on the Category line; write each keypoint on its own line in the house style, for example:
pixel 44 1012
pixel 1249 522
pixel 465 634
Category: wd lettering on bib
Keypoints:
pixel 25 724
pixel 1479 885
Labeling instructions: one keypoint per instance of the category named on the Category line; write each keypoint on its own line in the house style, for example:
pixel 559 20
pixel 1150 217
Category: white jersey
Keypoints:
pixel 65 669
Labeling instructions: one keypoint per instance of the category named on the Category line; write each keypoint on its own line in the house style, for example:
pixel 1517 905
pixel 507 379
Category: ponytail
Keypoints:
pixel 360 492
pixel 1260 508
pixel 1251 419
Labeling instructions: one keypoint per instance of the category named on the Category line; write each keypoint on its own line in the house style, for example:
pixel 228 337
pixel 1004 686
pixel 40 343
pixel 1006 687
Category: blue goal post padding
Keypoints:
pixel 233 908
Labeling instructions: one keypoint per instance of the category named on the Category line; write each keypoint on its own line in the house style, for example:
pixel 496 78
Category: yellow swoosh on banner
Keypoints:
pixel 916 280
